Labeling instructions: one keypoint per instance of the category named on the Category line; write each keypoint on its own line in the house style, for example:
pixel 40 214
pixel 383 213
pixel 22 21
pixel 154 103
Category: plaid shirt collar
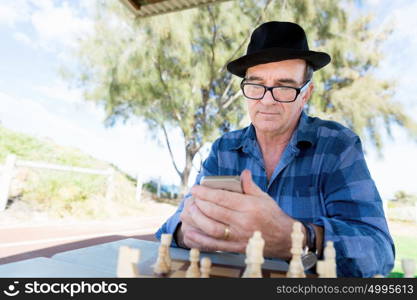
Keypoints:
pixel 303 137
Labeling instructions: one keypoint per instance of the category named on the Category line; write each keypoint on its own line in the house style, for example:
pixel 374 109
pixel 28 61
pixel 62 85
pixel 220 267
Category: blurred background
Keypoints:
pixel 108 108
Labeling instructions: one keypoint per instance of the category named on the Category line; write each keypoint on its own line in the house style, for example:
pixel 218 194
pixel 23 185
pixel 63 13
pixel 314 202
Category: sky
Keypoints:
pixel 37 36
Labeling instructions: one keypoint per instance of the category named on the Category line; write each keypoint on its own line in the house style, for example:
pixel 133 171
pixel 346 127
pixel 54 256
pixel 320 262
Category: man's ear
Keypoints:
pixel 308 93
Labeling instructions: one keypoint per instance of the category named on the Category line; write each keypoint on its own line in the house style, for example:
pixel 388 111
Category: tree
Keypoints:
pixel 404 197
pixel 170 69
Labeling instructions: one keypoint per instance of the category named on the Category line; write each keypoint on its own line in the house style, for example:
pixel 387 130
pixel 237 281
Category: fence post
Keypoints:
pixel 139 187
pixel 6 179
pixel 158 190
pixel 110 186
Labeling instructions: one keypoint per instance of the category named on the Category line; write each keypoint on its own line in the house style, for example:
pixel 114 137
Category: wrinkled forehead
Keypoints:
pixel 290 70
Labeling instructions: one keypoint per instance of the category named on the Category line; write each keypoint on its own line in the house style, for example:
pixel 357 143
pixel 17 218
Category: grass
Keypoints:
pixel 405 247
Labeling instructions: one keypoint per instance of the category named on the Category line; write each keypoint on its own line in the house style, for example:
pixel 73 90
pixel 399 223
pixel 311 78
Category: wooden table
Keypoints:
pixel 101 261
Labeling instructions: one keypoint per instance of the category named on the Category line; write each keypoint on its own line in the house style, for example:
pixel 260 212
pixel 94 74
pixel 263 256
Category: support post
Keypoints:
pixel 6 180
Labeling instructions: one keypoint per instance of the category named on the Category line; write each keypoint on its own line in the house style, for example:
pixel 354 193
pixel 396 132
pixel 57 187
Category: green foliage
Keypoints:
pixel 402 197
pixel 170 71
pixel 27 147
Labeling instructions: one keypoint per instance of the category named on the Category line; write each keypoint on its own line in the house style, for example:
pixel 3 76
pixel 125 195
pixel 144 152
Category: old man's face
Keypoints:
pixel 267 115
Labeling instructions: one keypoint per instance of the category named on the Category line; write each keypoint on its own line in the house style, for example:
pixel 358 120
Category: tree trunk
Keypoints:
pixel 185 176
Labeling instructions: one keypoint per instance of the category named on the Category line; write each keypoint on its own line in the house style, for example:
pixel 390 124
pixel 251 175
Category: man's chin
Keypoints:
pixel 267 126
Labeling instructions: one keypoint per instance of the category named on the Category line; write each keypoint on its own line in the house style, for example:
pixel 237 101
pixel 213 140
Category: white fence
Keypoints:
pixel 7 171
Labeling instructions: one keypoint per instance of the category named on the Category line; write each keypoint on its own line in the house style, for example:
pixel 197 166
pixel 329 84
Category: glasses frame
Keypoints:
pixel 270 88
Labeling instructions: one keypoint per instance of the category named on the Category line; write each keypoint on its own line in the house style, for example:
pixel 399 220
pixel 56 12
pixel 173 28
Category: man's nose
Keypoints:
pixel 268 98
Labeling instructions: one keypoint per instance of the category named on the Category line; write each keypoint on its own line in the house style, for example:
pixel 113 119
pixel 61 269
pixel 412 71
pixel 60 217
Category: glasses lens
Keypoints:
pixel 253 91
pixel 284 93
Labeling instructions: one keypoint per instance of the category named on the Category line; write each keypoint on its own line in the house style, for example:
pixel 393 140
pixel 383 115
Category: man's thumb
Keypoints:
pixel 248 185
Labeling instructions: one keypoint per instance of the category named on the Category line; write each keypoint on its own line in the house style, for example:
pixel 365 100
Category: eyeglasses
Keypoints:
pixel 279 93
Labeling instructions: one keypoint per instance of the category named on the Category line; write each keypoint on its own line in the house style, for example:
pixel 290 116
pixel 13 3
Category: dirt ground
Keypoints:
pixel 400 228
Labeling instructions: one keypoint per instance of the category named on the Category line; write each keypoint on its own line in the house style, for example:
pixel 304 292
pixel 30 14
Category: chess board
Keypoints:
pixel 223 264
pixel 179 268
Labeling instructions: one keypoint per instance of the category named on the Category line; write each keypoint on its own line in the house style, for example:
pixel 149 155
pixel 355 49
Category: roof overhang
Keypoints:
pixel 148 8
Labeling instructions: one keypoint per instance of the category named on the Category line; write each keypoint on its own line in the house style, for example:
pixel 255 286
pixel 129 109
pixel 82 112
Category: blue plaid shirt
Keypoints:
pixel 322 178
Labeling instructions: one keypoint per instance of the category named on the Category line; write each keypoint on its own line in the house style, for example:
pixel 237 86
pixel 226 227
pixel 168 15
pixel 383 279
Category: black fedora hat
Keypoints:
pixel 276 41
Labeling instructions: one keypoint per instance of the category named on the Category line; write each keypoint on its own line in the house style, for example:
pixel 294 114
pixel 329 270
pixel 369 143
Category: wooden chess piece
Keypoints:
pixel 321 269
pixel 330 259
pixel 193 271
pixel 166 240
pixel 205 267
pixel 248 261
pixel 296 268
pixel 127 262
pixel 327 268
pixel 254 256
pixel 161 268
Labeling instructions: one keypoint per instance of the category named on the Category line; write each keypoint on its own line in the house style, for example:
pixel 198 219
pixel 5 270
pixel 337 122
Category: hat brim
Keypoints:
pixel 239 66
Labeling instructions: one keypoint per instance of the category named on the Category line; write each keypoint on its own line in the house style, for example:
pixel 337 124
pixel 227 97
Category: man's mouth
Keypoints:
pixel 268 113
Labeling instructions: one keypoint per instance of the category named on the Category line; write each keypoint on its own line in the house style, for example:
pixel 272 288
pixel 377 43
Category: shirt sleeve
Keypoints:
pixel 208 168
pixel 355 219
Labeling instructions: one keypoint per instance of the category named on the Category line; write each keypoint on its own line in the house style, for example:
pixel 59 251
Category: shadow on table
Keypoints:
pixel 50 251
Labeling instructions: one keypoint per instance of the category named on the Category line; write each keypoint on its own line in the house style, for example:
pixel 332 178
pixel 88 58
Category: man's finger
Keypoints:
pixel 216 212
pixel 207 242
pixel 223 198
pixel 206 224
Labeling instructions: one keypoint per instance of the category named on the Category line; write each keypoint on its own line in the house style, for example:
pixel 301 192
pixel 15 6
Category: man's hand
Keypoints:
pixel 206 217
pixel 193 224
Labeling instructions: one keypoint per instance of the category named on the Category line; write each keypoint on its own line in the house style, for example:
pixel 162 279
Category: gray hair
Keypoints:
pixel 308 75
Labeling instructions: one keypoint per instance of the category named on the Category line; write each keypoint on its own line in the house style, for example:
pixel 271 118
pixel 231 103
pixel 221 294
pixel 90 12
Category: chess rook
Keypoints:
pixel 127 263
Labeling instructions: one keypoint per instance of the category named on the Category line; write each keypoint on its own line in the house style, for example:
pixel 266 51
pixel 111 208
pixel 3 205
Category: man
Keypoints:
pixel 293 168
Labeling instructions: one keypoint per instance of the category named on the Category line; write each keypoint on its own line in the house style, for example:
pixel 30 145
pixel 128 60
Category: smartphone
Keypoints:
pixel 228 183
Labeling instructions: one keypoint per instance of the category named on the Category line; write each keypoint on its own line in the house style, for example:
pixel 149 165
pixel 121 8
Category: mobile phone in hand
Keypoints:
pixel 228 183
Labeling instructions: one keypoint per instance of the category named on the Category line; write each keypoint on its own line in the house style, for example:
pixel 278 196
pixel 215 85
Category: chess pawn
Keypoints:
pixel 254 256
pixel 330 258
pixel 161 267
pixel 296 268
pixel 166 240
pixel 205 267
pixel 193 271
pixel 409 267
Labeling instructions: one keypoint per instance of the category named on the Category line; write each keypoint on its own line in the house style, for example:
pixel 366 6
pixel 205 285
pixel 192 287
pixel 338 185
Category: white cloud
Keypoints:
pixel 12 12
pixel 59 24
pixel 58 90
pixel 21 37
pixel 396 169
